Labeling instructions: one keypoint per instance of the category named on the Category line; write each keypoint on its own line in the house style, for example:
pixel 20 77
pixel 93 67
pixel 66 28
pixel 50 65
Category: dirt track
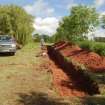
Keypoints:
pixel 25 79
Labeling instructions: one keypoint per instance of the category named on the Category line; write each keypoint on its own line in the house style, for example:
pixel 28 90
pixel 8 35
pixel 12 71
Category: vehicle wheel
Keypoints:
pixel 12 53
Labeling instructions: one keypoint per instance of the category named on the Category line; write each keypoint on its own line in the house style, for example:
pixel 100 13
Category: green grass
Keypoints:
pixel 22 74
pixel 24 82
pixel 97 47
pixel 24 56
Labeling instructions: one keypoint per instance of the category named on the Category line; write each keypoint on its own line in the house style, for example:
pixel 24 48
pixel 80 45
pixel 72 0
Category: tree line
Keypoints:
pixel 81 21
pixel 15 21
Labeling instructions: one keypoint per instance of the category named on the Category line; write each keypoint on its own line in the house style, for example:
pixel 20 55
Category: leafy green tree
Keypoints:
pixel 36 38
pixel 15 21
pixel 5 25
pixel 81 20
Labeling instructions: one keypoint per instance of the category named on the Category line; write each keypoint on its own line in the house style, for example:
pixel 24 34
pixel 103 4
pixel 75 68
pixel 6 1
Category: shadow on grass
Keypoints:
pixel 35 98
pixel 95 100
pixel 5 54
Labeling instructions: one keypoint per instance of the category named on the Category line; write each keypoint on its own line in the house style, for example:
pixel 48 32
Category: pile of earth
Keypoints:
pixel 76 79
pixel 91 60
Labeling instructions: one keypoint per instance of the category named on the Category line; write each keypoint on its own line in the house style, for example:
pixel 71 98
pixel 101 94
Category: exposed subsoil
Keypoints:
pixel 63 83
pixel 69 84
pixel 91 60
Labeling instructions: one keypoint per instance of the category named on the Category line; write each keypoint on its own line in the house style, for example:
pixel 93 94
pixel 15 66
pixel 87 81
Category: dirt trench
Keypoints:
pixel 93 61
pixel 81 82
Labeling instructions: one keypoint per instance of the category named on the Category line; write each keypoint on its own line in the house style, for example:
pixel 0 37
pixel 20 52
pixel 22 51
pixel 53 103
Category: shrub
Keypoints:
pixel 97 47
pixel 15 21
pixel 85 45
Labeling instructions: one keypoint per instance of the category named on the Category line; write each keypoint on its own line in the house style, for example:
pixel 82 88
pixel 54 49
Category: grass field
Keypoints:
pixel 24 81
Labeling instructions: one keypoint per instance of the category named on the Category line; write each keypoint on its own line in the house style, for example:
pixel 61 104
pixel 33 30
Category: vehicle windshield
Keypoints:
pixel 5 38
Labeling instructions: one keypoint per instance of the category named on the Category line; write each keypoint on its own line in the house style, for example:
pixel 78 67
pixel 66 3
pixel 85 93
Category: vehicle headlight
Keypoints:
pixel 13 45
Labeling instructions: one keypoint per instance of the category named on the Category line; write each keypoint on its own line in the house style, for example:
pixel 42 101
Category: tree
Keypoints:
pixel 81 20
pixel 36 37
pixel 5 25
pixel 103 21
pixel 15 21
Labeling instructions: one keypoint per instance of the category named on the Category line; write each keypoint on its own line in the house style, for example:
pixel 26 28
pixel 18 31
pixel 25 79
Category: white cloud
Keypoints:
pixel 99 32
pixel 46 25
pixel 39 8
pixel 99 3
pixel 44 22
pixel 101 15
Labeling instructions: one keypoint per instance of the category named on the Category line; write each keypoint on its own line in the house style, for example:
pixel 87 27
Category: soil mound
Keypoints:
pixel 91 60
pixel 60 52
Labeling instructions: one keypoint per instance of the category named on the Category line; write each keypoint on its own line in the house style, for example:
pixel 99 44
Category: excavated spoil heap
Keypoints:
pixel 62 53
pixel 91 60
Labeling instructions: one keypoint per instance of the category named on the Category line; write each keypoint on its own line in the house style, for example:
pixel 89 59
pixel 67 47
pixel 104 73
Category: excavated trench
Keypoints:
pixel 80 79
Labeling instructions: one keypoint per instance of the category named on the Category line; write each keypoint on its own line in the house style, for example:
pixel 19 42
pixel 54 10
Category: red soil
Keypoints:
pixel 91 60
pixel 67 83
pixel 63 83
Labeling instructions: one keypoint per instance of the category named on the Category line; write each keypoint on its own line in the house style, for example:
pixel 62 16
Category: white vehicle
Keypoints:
pixel 7 44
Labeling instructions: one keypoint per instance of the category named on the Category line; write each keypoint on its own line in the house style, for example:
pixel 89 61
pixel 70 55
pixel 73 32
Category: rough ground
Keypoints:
pixel 91 60
pixel 64 83
pixel 24 80
pixel 67 88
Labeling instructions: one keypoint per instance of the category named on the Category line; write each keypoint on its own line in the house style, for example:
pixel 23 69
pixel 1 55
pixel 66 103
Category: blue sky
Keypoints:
pixel 48 13
pixel 57 7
